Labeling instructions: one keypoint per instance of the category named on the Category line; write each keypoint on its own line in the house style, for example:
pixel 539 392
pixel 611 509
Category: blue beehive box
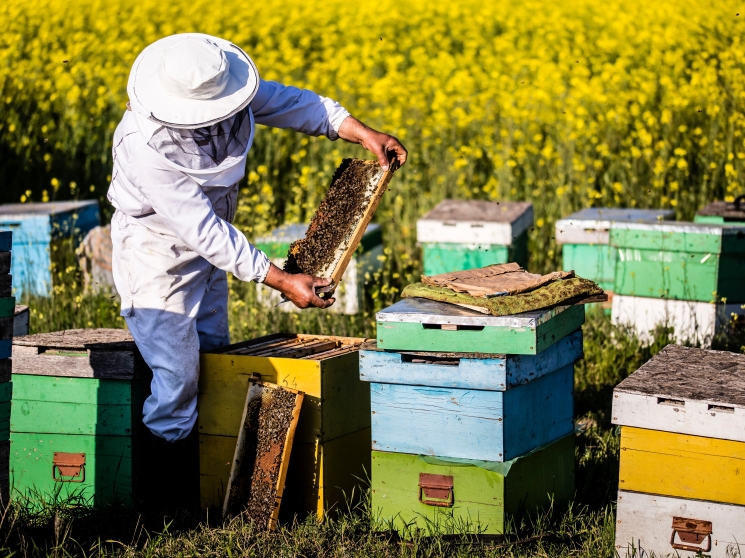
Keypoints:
pixel 488 407
pixel 35 226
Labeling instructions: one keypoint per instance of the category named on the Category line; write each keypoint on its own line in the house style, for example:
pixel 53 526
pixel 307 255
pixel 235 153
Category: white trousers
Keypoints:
pixel 174 303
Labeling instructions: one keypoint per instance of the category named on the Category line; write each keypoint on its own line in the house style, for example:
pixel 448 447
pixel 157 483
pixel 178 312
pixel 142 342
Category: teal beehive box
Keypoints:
pixel 35 226
pixel 468 234
pixel 584 238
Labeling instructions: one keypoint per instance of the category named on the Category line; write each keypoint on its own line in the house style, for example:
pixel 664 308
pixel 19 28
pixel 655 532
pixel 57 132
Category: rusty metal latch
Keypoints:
pixel 691 531
pixel 68 467
pixel 436 490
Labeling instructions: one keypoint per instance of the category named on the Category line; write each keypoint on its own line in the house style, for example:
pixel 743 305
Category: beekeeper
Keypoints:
pixel 179 153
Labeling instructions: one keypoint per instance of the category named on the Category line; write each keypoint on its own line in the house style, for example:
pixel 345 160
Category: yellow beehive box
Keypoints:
pixel 331 451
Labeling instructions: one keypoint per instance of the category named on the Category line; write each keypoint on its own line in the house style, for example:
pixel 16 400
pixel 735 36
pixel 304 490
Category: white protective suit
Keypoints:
pixel 173 244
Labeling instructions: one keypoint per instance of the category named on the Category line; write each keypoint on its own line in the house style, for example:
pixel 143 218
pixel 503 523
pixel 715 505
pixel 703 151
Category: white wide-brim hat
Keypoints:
pixel 191 80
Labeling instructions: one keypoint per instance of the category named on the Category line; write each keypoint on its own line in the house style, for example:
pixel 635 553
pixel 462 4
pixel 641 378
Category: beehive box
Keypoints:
pixel 723 213
pixel 35 226
pixel 679 260
pixel 467 234
pixel 470 406
pixel 351 293
pixel 7 322
pixel 691 322
pixel 417 324
pixel 584 238
pixel 648 523
pixel 456 496
pixel 76 417
pixel 331 449
pixel 683 432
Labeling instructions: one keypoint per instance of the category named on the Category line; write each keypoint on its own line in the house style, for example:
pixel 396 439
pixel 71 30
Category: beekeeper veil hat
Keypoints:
pixel 191 81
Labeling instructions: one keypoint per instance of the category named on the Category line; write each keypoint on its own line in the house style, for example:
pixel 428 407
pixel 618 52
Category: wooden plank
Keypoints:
pixel 108 468
pixel 475 222
pixel 644 525
pixel 726 211
pixel 679 236
pixel 482 499
pixel 70 418
pixel 109 339
pixel 6 285
pixel 7 306
pixel 89 391
pixel 346 398
pixel 117 364
pixel 4 262
pixel 682 466
pixel 6 327
pixel 465 370
pixel 472 424
pixel 4 473
pixel 691 321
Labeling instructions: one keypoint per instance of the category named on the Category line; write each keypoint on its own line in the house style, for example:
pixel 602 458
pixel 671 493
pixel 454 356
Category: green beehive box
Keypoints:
pixel 680 261
pixel 76 417
pixel 468 234
pixel 723 213
pixel 458 495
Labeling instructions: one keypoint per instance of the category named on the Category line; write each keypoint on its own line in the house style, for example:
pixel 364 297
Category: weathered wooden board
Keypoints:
pixel 473 424
pixel 466 370
pixel 682 466
pixel 688 391
pixel 483 496
pixel 691 321
pixel 443 257
pixel 21 319
pixel 105 477
pixel 722 212
pixel 592 225
pixel 644 526
pixel 475 222
pixel 6 240
pixel 7 306
pixel 595 262
pixel 4 263
pixel 681 275
pixel 415 324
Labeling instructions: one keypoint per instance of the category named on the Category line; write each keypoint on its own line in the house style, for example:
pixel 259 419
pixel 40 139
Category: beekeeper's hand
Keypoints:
pixel 385 147
pixel 299 288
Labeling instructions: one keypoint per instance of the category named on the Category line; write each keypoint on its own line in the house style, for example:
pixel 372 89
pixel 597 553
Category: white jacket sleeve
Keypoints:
pixel 182 205
pixel 283 106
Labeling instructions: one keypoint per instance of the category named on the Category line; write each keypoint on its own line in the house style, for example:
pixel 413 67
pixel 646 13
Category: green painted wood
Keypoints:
pixel 108 468
pixel 482 498
pixel 5 411
pixel 6 391
pixel 411 336
pixel 443 257
pixel 679 237
pixel 4 430
pixel 683 275
pixel 596 262
pixel 91 391
pixel 7 306
pixel 71 418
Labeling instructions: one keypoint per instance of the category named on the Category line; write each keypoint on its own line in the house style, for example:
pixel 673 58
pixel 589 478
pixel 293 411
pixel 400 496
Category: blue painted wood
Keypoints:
pixel 5 348
pixel 473 424
pixel 6 240
pixel 30 265
pixel 487 372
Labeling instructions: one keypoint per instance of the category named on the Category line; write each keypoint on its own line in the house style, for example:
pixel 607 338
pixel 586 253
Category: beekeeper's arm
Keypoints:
pixel 283 106
pixel 180 203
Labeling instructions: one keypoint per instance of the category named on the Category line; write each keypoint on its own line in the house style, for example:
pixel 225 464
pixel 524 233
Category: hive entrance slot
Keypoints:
pixel 429 359
pixel 454 327
pixel 671 402
pixel 721 409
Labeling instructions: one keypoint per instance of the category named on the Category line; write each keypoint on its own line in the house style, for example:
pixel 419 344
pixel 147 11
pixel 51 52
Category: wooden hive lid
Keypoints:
pixel 478 211
pixel 729 211
pixel 102 338
pixel 687 373
pixel 47 208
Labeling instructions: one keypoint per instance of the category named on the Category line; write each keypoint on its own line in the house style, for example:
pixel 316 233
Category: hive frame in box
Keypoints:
pixel 417 324
pixel 644 524
pixel 335 416
pixel 691 321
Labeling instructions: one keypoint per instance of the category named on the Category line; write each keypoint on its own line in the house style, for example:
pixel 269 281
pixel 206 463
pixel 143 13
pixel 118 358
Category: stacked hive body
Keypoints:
pixel 350 294
pixel 460 234
pixel 7 308
pixel 472 415
pixel 723 213
pixel 76 417
pixel 584 238
pixel 688 276
pixel 331 448
pixel 36 226
pixel 681 486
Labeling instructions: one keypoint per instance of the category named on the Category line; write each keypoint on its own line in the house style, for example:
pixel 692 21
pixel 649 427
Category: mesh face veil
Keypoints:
pixel 204 148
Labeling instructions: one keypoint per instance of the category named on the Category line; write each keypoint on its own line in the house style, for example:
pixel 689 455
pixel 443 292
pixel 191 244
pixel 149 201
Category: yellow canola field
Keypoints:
pixel 566 104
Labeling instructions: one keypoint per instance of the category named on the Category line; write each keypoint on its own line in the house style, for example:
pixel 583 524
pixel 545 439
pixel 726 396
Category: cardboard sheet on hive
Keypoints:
pixel 340 221
pixel 262 453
